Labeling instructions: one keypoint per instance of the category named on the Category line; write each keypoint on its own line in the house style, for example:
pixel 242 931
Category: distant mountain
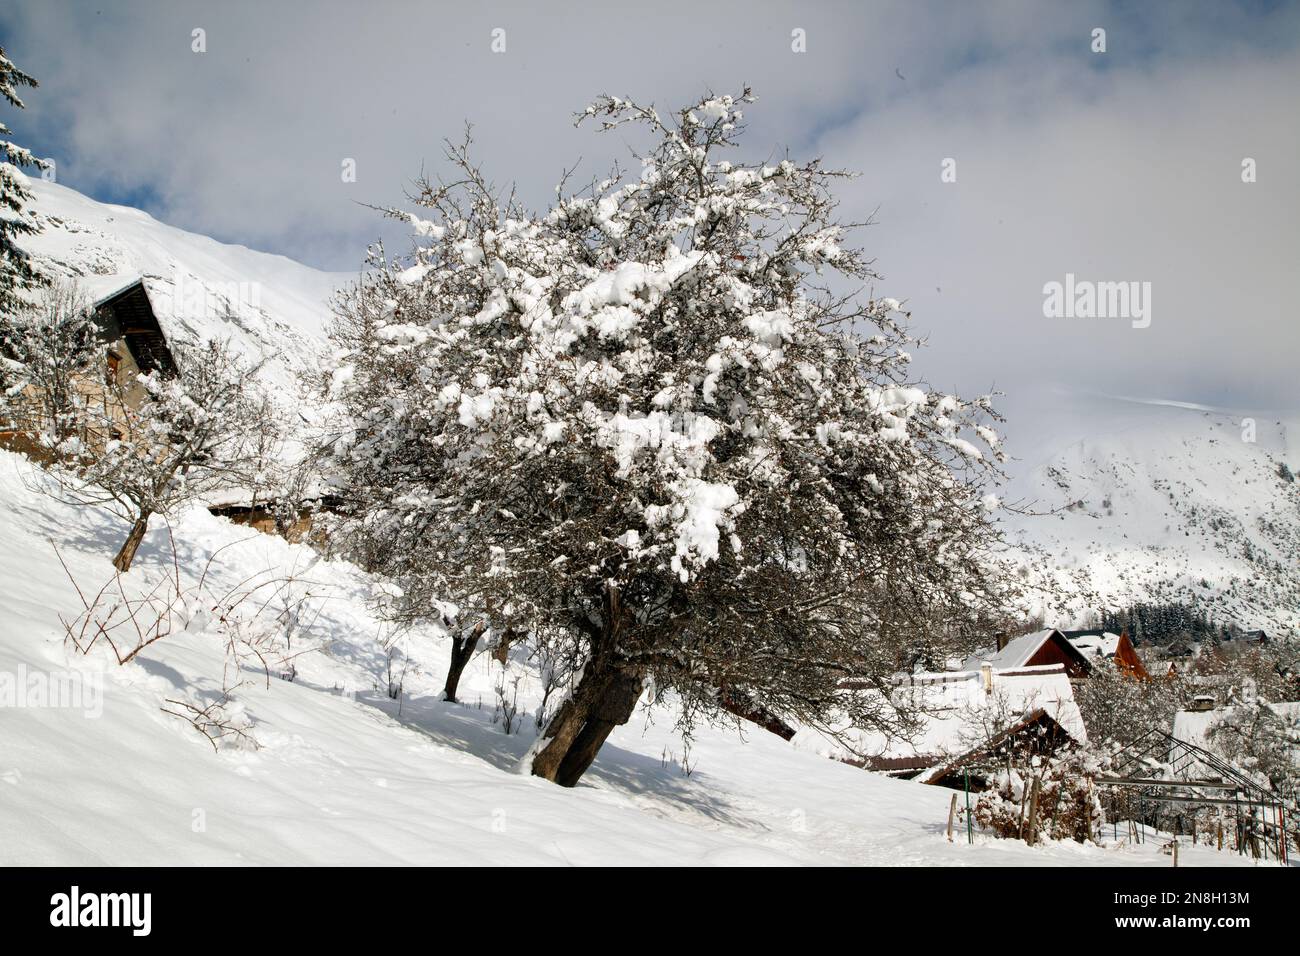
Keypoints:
pixel 1165 501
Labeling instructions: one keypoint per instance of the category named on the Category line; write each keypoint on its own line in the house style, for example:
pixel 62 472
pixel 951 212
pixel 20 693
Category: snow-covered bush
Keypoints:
pixel 655 430
pixel 1068 804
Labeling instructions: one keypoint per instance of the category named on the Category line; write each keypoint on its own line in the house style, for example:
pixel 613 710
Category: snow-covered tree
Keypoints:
pixel 200 430
pixel 1263 739
pixel 657 430
pixel 1117 708
pixel 17 273
pixel 51 360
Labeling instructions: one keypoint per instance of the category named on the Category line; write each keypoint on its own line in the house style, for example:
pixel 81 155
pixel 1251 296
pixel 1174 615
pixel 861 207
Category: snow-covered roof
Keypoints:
pixel 1193 726
pixel 100 288
pixel 958 705
pixel 1017 653
pixel 1096 645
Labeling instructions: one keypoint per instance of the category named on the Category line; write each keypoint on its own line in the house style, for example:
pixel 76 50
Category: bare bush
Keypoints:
pixel 257 622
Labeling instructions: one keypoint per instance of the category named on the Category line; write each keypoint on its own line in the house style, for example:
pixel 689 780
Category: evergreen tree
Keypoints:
pixel 17 273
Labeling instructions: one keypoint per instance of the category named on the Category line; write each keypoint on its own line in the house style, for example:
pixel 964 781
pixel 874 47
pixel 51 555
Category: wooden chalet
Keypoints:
pixel 136 343
pixel 1107 645
pixel 135 338
pixel 1039 649
pixel 957 711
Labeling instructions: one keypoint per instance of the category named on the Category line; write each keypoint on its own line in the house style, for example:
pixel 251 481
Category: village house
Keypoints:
pixel 974 718
pixel 1194 723
pixel 1107 645
pixel 1037 649
pixel 1011 701
pixel 134 344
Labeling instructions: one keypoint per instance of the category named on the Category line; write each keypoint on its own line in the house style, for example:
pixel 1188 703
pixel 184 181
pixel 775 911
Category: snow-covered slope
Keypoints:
pixel 267 306
pixel 345 775
pixel 1169 502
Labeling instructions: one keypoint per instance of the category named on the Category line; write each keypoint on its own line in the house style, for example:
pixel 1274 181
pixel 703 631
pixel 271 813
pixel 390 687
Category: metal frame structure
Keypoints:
pixel 1159 771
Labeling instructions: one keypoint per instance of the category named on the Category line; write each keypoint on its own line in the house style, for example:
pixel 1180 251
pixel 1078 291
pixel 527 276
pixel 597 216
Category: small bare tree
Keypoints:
pixel 258 621
pixel 210 427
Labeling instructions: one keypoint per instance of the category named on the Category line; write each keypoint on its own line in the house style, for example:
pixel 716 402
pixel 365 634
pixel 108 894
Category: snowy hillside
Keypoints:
pixel 268 306
pixel 334 769
pixel 1161 502
pixel 342 774
pixel 1164 502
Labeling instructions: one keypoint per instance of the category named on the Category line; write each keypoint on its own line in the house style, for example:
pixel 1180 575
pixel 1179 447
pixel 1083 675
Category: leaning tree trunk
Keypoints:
pixel 611 710
pixel 132 544
pixel 605 697
pixel 462 649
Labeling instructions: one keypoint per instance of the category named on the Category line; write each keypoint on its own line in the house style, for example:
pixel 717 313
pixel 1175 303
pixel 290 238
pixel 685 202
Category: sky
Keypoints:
pixel 1123 165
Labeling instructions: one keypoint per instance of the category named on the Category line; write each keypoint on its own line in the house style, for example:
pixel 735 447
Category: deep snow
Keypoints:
pixel 341 777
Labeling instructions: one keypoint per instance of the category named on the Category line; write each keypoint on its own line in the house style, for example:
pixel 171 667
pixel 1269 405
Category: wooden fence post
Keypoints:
pixel 952 812
pixel 970 820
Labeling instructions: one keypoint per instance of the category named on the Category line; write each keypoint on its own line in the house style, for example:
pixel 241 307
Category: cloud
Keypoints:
pixel 1138 181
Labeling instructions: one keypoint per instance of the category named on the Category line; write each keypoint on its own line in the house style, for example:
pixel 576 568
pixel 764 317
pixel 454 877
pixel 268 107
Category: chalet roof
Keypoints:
pixel 124 300
pixel 1194 726
pixel 103 289
pixel 1021 650
pixel 1038 719
pixel 1094 643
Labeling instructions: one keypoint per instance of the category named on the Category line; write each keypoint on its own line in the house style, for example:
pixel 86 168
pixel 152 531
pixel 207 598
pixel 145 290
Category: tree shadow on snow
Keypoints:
pixel 468 728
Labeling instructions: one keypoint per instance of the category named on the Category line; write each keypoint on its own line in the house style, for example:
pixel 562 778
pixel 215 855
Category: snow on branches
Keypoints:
pixel 644 425
pixel 18 275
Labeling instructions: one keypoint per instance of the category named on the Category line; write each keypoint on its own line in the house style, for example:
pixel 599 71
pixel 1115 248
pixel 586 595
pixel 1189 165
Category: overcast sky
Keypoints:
pixel 1117 166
